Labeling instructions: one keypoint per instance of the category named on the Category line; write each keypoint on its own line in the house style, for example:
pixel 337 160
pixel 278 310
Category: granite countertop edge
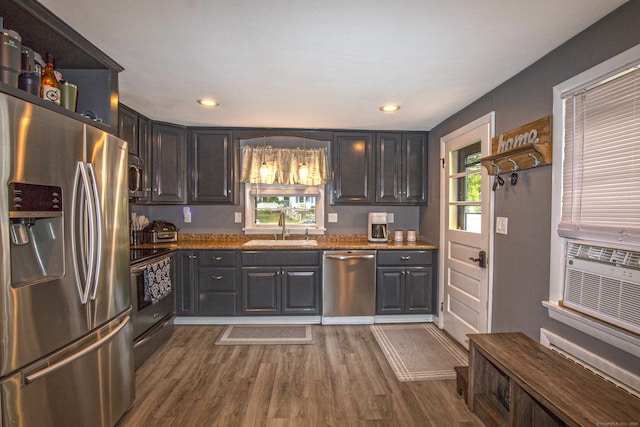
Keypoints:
pixel 325 242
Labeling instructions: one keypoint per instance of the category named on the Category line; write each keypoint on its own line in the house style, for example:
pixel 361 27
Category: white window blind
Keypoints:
pixel 601 170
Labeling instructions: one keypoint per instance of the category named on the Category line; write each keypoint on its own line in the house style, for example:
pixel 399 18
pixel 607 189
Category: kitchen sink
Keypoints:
pixel 281 243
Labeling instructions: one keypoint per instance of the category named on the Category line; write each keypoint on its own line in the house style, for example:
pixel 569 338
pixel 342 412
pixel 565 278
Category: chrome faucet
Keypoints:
pixel 282 222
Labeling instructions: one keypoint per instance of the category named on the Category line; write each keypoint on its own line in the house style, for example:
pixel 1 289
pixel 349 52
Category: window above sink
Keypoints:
pixel 303 207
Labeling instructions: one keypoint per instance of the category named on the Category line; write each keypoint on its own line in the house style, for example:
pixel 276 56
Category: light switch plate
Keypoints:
pixel 501 224
pixel 391 217
pixel 332 217
pixel 186 211
pixel 237 217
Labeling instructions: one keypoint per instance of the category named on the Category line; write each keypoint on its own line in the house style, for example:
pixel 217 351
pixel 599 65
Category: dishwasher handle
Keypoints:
pixel 345 257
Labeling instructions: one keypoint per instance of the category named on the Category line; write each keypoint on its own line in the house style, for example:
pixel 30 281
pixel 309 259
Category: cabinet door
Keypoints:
pixel 128 128
pixel 144 152
pixel 169 164
pixel 414 173
pixel 352 168
pixel 389 185
pixel 390 291
pixel 186 282
pixel 419 290
pixel 212 165
pixel 301 290
pixel 261 290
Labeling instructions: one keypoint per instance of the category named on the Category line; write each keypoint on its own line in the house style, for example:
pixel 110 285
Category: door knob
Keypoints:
pixel 481 260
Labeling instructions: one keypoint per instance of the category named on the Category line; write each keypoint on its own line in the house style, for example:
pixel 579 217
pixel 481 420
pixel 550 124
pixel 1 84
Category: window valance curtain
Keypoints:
pixel 283 165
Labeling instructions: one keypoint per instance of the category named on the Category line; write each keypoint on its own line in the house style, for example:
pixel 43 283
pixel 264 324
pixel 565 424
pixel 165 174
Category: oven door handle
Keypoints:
pixel 136 269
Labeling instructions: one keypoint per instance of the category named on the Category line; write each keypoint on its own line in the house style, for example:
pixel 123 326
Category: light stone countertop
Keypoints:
pixel 325 242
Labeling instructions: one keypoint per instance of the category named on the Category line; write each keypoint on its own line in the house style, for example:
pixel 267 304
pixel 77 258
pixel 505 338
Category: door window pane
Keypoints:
pixel 465 189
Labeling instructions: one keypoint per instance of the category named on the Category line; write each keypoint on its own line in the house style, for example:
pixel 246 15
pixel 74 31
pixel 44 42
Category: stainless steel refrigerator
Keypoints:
pixel 65 337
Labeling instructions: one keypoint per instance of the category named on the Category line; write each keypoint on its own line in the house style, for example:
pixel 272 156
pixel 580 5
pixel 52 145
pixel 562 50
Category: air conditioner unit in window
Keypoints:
pixel 604 283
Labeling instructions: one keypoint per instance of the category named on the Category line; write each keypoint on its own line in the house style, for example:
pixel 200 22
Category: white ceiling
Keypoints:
pixel 320 64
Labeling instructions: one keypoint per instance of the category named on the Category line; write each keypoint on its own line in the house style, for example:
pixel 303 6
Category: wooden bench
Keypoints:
pixel 516 381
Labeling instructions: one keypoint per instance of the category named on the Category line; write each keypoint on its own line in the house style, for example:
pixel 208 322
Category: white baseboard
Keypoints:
pixel 248 320
pixel 347 320
pixel 621 377
pixel 303 320
pixel 405 318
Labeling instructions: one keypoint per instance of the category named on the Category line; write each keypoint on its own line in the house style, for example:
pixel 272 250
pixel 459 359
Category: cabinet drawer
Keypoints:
pixel 217 304
pixel 226 258
pixel 280 258
pixel 216 279
pixel 405 257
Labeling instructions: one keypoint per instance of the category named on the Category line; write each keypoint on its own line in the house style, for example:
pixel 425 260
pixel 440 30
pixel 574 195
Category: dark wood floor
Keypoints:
pixel 342 380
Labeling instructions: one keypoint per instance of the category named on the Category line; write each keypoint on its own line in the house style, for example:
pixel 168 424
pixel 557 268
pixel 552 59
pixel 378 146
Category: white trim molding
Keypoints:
pixel 624 379
pixel 616 337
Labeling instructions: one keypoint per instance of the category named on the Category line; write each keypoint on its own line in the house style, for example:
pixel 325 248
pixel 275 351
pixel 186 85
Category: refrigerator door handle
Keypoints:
pixel 97 230
pixel 28 379
pixel 78 222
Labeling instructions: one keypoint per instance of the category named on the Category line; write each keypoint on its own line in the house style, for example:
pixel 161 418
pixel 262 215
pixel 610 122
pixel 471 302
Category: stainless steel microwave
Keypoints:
pixel 136 177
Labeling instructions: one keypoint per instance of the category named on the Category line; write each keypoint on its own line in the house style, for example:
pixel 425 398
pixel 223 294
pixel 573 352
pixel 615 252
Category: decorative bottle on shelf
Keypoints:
pixel 49 85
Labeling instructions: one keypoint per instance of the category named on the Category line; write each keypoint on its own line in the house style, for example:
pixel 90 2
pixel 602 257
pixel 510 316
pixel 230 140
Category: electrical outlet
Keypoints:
pixel 238 217
pixel 186 211
pixel 332 217
pixel 390 217
pixel 501 225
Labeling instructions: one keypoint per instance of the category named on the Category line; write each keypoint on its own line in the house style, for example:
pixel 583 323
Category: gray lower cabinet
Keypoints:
pixel 405 282
pixel 186 265
pixel 217 274
pixel 280 282
pixel 206 284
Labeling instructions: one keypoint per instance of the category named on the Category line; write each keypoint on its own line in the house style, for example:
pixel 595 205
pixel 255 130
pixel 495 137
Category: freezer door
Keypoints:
pixel 39 295
pixel 87 384
pixel 106 160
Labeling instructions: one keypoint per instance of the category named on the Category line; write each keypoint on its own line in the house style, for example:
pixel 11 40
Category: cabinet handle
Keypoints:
pixel 405 258
pixel 193 256
pixel 216 258
pixel 216 277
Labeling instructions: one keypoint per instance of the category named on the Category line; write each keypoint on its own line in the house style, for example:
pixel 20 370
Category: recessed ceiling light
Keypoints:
pixel 208 102
pixel 389 108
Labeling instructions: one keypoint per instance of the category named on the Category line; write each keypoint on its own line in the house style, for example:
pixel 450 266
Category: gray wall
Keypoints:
pixel 210 219
pixel 521 258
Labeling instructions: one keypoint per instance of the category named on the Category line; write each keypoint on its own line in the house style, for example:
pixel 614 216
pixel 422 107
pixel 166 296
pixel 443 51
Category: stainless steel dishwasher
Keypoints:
pixel 348 287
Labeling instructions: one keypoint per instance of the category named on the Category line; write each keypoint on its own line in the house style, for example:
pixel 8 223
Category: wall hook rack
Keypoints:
pixel 526 147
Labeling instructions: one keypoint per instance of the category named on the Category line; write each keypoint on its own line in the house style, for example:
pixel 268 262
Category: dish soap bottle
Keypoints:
pixel 49 86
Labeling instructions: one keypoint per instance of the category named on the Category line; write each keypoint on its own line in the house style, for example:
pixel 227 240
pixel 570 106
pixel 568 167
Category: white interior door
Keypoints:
pixel 466 230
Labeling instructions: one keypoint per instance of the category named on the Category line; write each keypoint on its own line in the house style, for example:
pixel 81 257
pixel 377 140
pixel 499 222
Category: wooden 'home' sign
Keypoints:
pixel 526 147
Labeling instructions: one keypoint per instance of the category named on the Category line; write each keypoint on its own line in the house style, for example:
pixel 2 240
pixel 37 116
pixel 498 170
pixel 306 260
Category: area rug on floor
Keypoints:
pixel 419 351
pixel 266 335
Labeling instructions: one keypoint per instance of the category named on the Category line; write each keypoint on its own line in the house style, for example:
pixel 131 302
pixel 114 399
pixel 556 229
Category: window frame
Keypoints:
pixel 604 332
pixel 251 190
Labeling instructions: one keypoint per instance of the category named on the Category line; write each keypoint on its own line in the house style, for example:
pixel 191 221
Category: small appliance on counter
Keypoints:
pixel 160 232
pixel 378 229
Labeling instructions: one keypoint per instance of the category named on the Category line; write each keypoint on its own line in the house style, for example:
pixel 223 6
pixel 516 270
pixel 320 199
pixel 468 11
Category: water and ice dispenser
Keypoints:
pixel 36 232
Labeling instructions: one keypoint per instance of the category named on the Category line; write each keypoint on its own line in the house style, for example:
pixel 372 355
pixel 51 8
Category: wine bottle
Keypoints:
pixel 49 85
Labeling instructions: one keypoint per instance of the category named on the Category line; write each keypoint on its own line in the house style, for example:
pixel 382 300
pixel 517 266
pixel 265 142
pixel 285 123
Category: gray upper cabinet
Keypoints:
pixel 128 128
pixel 213 167
pixel 144 152
pixel 352 161
pixel 169 163
pixel 401 169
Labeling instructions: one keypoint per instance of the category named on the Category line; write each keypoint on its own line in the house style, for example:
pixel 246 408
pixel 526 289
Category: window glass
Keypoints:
pixel 298 209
